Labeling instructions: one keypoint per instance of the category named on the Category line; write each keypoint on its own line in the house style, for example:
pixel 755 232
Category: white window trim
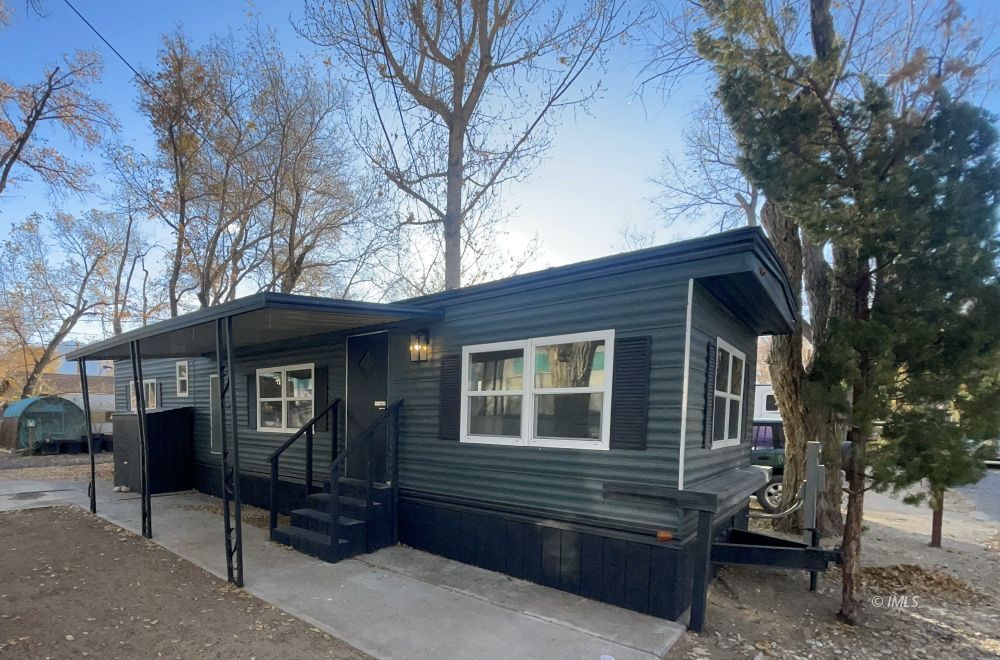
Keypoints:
pixel 733 351
pixel 133 405
pixel 186 378
pixel 528 391
pixel 284 399
pixel 464 416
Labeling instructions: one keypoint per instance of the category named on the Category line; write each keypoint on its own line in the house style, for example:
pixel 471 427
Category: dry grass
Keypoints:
pixel 59 472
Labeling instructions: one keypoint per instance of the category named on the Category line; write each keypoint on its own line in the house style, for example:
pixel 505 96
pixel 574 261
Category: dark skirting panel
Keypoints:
pixel 170 435
pixel 254 490
pixel 628 570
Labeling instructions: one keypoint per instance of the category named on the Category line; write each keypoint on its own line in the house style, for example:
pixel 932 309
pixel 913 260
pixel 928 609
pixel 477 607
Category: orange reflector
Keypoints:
pixel 663 535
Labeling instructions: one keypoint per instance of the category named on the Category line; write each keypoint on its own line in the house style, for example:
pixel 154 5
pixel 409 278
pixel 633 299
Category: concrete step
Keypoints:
pixel 311 543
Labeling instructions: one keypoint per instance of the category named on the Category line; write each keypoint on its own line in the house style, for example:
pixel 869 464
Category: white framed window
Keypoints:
pixel 284 398
pixel 181 378
pixel 149 390
pixel 727 402
pixel 543 392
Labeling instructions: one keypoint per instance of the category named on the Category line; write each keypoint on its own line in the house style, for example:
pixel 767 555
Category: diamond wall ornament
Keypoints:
pixel 367 362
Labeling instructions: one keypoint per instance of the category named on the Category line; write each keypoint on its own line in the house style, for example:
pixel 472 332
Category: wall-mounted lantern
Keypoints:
pixel 420 346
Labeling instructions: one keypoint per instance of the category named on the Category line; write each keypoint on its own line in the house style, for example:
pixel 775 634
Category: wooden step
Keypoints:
pixel 311 543
pixel 350 507
pixel 356 488
pixel 351 529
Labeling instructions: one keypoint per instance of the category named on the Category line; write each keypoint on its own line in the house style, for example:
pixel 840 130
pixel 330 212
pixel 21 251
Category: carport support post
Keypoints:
pixel 230 474
pixel 92 491
pixel 140 414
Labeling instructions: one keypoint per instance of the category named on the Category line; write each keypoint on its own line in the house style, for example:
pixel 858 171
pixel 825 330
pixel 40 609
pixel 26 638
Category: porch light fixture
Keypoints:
pixel 420 346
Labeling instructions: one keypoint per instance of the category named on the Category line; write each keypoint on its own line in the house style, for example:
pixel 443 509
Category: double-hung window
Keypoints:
pixel 181 378
pixel 149 391
pixel 284 398
pixel 493 405
pixel 546 391
pixel 727 405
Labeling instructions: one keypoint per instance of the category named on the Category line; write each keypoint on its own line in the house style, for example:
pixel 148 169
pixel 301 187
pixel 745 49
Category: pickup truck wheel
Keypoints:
pixel 769 496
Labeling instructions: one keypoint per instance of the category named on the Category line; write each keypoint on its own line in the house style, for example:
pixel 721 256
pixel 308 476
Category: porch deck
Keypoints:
pixel 395 603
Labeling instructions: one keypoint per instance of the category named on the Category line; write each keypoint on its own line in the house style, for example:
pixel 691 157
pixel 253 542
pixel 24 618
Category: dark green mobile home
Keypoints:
pixel 529 425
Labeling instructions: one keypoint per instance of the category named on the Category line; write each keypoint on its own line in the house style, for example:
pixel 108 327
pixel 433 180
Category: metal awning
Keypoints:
pixel 252 321
pixel 258 319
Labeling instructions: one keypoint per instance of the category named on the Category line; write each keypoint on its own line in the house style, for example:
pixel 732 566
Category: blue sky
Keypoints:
pixel 595 177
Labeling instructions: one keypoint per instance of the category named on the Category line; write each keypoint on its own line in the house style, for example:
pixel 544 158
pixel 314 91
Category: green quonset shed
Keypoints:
pixel 520 412
pixel 28 422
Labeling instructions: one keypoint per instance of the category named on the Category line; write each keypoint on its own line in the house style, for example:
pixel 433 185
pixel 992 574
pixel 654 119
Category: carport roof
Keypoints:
pixel 258 319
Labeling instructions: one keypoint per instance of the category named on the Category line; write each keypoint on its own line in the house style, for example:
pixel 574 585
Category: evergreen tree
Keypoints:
pixel 904 198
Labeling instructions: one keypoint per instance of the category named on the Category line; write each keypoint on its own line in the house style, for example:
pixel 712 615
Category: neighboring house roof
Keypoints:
pixel 52 383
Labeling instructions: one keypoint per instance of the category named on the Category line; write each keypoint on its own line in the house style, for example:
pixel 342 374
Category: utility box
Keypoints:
pixel 170 437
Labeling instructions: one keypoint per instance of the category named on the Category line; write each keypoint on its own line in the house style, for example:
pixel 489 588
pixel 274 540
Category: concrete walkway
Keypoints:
pixel 395 603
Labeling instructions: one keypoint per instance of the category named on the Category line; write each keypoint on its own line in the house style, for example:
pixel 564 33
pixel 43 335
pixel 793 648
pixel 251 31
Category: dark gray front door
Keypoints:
pixel 367 391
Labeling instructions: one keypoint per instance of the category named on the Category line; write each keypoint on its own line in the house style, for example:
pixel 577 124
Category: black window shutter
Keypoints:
pixel 450 405
pixel 706 440
pixel 251 401
pixel 321 398
pixel 159 394
pixel 630 392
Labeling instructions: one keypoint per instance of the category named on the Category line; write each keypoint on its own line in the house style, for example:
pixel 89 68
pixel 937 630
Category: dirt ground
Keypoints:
pixel 104 592
pixel 920 602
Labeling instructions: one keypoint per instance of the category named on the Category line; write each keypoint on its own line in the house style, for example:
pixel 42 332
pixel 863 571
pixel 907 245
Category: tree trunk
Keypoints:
pixel 119 301
pixel 453 211
pixel 855 285
pixel 850 607
pixel 937 519
pixel 48 353
pixel 789 377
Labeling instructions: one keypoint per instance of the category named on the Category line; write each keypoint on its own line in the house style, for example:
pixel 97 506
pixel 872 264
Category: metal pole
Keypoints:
pixel 815 480
pixel 225 383
pixel 237 499
pixel 92 490
pixel 140 413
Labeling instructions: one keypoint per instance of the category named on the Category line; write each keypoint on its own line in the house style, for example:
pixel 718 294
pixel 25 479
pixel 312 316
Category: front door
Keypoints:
pixel 367 391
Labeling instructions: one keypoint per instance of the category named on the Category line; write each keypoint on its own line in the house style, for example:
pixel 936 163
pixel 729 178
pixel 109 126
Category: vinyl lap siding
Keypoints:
pixel 255 446
pixel 709 321
pixel 560 481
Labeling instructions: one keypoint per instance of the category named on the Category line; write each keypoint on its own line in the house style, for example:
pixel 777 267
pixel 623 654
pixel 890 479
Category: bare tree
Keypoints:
pixel 252 175
pixel 707 178
pixel 44 296
pixel 175 99
pixel 476 87
pixel 63 99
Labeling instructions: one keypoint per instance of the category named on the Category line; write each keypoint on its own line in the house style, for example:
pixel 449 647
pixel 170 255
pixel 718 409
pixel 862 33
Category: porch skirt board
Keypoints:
pixel 636 572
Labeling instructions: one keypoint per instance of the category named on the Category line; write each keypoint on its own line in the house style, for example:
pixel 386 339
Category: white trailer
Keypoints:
pixel 765 406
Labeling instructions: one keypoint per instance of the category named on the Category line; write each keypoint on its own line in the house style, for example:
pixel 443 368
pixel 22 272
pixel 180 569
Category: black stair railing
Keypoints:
pixel 307 430
pixel 366 441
